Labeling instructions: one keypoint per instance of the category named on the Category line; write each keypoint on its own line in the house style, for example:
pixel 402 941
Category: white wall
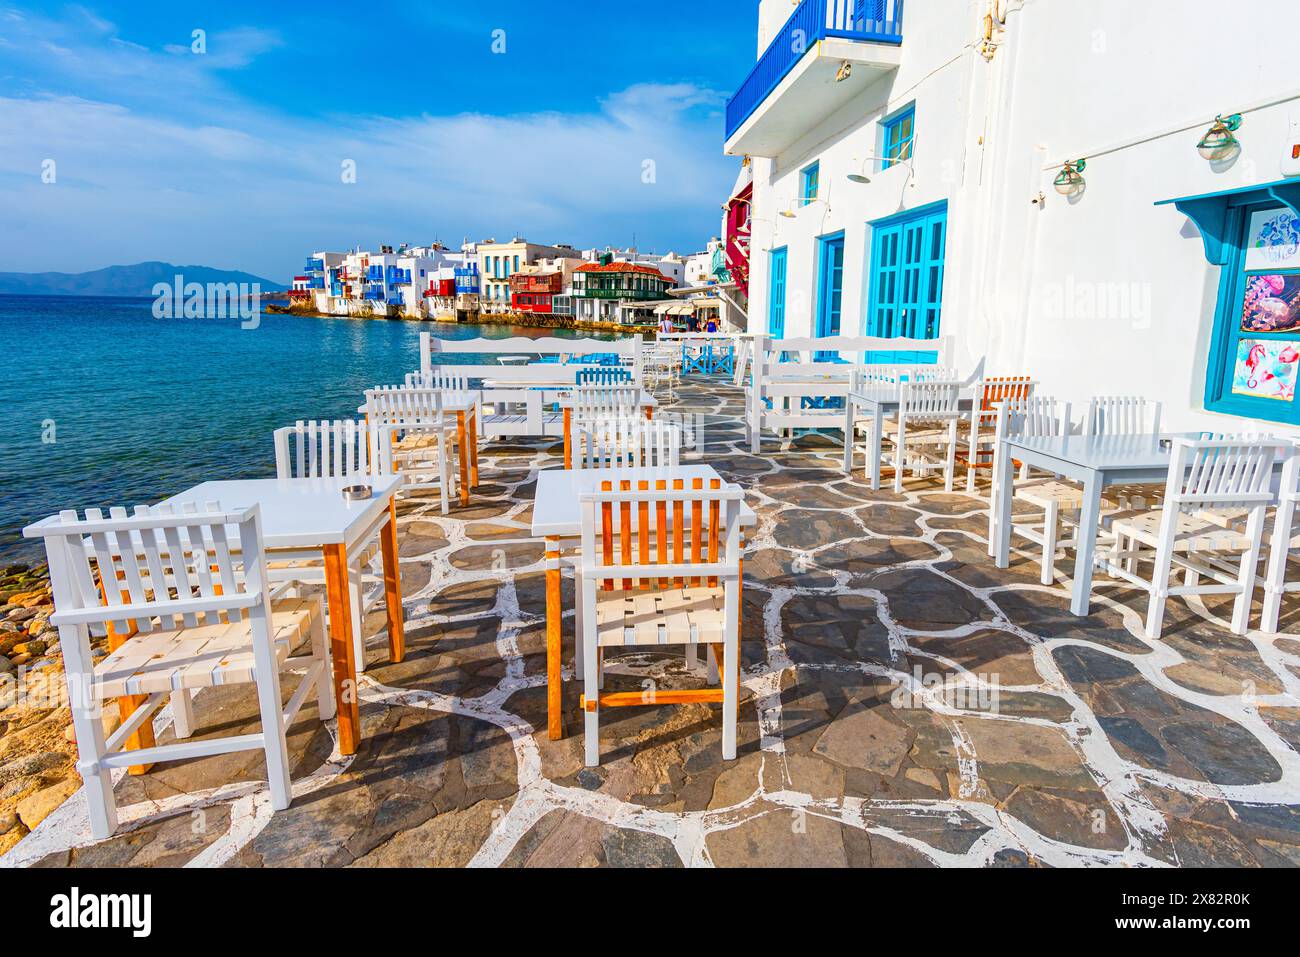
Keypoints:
pixel 1103 293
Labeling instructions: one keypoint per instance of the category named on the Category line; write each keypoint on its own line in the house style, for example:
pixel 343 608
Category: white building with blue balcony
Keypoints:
pixel 1044 181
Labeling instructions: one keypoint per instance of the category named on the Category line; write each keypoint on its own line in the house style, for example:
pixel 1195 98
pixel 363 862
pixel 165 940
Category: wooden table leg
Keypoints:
pixel 345 665
pixel 463 452
pixel 393 588
pixel 127 704
pixel 568 438
pixel 473 450
pixel 554 629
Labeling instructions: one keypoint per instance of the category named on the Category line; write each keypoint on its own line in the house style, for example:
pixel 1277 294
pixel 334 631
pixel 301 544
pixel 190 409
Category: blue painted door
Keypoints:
pixel 906 285
pixel 776 295
pixel 830 288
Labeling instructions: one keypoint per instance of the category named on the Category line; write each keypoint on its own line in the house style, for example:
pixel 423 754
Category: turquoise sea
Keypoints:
pixel 107 405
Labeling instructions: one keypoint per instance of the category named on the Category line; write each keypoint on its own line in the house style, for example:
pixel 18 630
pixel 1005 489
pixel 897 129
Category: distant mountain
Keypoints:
pixel 137 280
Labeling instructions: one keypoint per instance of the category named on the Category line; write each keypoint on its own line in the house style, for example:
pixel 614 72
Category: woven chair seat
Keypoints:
pixel 200 657
pixel 669 616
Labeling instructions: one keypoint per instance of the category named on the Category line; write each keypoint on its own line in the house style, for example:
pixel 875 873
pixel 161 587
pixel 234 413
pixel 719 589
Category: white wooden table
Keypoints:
pixel 1095 461
pixel 878 403
pixel 557 517
pixel 309 516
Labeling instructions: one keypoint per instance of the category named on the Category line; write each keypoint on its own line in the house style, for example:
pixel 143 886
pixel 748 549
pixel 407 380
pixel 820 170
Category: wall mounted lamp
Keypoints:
pixel 1069 180
pixel 1218 142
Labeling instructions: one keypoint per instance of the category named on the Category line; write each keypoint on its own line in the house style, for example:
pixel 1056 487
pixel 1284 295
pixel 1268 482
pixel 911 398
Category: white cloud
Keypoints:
pixel 259 191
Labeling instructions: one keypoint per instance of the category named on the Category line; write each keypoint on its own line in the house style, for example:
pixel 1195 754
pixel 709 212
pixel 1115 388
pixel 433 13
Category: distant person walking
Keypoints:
pixel 711 325
pixel 666 323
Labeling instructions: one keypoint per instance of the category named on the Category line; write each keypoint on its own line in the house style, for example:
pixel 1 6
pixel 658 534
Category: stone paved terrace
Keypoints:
pixel 1104 749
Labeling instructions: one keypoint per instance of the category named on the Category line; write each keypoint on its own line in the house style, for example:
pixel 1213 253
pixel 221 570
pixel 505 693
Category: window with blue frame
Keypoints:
pixel 905 288
pixel 1255 347
pixel 808 182
pixel 899 135
pixel 776 293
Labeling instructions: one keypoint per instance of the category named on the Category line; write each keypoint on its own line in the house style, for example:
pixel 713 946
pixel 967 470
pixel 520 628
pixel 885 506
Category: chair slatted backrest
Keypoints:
pixel 1221 472
pixel 399 405
pixel 605 401
pixel 680 536
pixel 156 567
pixel 629 443
pixel 933 374
pixel 440 377
pixel 331 449
pixel 1122 415
pixel 930 400
pixel 1036 416
pixel 998 389
pixel 604 376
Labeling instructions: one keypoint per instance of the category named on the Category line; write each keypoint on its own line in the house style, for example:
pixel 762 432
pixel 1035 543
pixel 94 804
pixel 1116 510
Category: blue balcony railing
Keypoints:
pixel 375 273
pixel 315 265
pixel 877 21
pixel 316 282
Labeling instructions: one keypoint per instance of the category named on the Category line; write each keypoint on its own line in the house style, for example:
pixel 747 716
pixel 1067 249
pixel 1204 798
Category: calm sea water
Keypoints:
pixel 140 408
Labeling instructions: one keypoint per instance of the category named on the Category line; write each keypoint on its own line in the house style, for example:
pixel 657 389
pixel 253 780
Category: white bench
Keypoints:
pixel 784 385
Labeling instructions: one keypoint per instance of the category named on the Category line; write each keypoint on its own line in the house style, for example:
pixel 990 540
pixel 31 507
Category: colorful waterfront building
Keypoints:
pixel 920 170
pixel 600 289
pixel 497 262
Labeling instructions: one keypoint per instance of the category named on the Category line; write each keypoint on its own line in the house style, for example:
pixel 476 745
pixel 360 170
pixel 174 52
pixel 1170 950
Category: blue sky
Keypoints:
pixel 235 157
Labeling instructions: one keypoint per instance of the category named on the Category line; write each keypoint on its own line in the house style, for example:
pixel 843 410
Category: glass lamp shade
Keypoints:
pixel 1217 143
pixel 1069 180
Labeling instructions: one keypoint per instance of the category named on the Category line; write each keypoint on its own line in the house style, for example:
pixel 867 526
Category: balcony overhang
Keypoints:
pixel 1209 211
pixel 811 92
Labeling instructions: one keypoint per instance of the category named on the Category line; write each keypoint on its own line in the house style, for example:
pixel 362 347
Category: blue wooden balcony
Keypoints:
pixel 799 79
pixel 315 265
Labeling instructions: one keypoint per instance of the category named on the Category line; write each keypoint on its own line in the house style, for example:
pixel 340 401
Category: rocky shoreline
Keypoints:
pixel 37 753
pixel 520 320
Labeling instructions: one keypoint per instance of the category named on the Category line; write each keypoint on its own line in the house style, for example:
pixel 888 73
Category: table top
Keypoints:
pixel 1111 452
pixel 541 385
pixel 893 395
pixel 557 511
pixel 303 512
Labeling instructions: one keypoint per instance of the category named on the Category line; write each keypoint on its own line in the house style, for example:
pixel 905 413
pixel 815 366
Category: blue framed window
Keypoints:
pixel 1255 347
pixel 808 182
pixel 776 293
pixel 899 135
pixel 905 290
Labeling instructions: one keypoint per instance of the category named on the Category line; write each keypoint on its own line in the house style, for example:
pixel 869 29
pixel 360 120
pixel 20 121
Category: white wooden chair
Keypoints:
pixel 925 432
pixel 628 443
pixel 1036 416
pixel 596 403
pixel 1126 415
pixel 682 588
pixel 418 434
pixel 337 449
pixel 1282 541
pixel 1227 476
pixel 190 588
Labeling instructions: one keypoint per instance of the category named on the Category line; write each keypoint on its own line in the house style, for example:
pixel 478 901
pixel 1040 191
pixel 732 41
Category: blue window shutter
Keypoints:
pixel 906 282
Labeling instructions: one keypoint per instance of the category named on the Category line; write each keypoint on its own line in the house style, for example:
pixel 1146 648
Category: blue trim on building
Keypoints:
pixel 778 261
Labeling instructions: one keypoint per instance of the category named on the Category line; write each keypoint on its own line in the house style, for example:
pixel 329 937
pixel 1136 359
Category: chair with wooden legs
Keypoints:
pixel 993 391
pixel 924 435
pixel 1225 475
pixel 682 587
pixel 418 430
pixel 337 449
pixel 190 590
pixel 1035 416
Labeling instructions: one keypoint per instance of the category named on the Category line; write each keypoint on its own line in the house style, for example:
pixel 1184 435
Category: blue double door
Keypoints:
pixel 905 297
